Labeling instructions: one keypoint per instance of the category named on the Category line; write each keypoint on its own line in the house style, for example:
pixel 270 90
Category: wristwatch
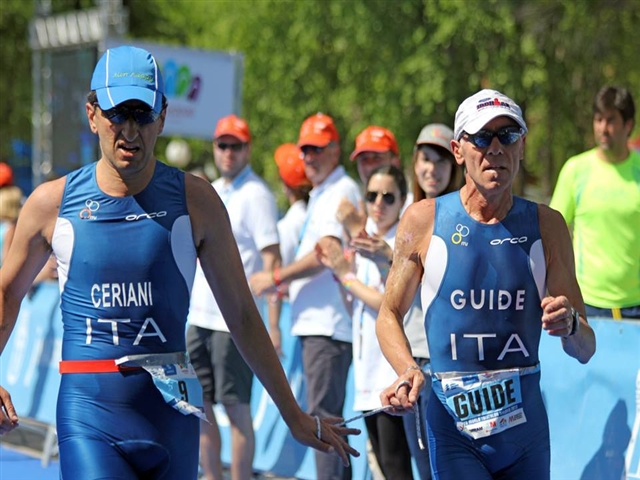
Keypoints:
pixel 575 326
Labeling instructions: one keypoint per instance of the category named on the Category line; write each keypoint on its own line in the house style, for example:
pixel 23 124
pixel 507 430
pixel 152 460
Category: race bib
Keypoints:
pixel 176 381
pixel 485 404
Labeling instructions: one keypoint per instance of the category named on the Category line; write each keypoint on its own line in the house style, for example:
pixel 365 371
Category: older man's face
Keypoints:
pixel 319 162
pixel 493 168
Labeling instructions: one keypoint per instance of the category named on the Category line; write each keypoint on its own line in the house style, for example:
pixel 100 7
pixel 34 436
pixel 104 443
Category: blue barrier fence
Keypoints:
pixel 29 363
pixel 594 409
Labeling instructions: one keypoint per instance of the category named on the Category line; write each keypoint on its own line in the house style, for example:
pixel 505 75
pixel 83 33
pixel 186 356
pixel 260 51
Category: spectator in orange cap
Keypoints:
pixel 319 316
pixel 221 369
pixel 296 187
pixel 375 147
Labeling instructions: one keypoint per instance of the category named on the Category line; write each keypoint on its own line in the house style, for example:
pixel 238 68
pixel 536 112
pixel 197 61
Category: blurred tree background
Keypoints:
pixel 396 63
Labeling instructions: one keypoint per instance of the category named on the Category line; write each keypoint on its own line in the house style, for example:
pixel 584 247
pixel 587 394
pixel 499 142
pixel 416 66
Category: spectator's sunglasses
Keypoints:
pixel 234 147
pixel 371 196
pixel 312 149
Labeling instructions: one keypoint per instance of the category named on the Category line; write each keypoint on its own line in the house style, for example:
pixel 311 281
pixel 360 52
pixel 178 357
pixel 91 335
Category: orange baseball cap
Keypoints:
pixel 375 139
pixel 290 165
pixel 318 130
pixel 6 175
pixel 234 126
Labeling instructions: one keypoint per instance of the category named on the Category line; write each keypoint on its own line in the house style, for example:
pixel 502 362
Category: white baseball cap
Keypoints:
pixel 482 107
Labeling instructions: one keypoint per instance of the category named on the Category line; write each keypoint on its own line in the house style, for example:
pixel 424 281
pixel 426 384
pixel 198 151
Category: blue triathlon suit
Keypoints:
pixel 481 294
pixel 126 268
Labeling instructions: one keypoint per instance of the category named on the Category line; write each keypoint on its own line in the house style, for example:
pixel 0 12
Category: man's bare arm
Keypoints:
pixel 563 288
pixel 307 266
pixel 270 261
pixel 28 253
pixel 221 264
pixel 412 240
pixel 352 218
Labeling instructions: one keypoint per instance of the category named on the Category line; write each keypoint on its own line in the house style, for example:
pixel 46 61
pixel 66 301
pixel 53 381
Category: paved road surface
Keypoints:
pixel 21 457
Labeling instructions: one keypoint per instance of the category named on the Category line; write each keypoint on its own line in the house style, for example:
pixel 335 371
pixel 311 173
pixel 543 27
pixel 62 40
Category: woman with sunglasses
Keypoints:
pixel 362 284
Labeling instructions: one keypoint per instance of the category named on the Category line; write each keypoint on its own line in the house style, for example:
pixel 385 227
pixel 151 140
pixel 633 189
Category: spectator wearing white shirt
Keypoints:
pixel 319 316
pixel 223 373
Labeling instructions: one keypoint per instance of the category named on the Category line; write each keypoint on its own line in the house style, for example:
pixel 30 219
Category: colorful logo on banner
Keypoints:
pixel 180 82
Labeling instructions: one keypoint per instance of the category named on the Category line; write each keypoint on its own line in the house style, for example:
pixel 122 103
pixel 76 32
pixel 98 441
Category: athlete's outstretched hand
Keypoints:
pixel 8 415
pixel 403 393
pixel 326 436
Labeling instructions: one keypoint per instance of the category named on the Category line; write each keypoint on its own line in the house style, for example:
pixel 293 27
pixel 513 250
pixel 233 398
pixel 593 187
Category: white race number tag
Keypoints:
pixel 485 403
pixel 179 385
pixel 175 378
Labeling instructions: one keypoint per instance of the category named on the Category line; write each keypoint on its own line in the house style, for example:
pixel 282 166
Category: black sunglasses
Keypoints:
pixel 234 147
pixel 120 114
pixel 506 136
pixel 388 198
pixel 311 149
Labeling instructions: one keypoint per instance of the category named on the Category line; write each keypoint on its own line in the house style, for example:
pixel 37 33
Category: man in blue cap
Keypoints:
pixel 126 232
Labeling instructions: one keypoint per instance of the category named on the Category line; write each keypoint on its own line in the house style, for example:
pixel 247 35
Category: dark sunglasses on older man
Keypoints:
pixel 371 196
pixel 234 147
pixel 506 136
pixel 311 149
pixel 120 114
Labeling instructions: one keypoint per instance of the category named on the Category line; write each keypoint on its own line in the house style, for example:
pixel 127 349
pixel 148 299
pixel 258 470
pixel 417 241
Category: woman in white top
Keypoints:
pixel 362 283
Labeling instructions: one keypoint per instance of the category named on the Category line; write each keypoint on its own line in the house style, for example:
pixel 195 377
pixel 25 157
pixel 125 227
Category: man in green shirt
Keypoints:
pixel 598 193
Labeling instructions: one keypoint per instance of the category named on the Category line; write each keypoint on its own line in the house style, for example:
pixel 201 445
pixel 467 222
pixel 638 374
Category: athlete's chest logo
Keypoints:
pixel 459 237
pixel 489 299
pixel 89 210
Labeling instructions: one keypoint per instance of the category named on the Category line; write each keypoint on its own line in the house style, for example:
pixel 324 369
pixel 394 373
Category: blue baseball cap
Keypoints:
pixel 128 73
